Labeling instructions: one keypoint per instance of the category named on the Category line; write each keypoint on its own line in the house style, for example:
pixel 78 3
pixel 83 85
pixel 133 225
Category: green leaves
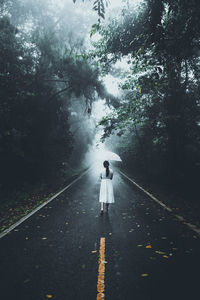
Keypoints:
pixel 95 28
pixel 99 6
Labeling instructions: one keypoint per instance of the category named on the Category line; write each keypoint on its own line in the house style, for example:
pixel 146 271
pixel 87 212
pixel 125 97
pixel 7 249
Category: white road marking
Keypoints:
pixel 180 218
pixel 147 193
pixel 6 231
pixel 191 226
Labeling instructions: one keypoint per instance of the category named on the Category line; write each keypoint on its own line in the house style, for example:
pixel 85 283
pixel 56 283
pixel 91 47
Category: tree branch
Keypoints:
pixel 56 80
pixel 59 92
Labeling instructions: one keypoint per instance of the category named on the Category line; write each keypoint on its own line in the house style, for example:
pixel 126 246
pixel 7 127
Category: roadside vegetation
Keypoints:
pixel 156 127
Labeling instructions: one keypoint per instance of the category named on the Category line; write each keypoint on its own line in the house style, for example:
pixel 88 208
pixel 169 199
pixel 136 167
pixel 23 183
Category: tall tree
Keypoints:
pixel 160 43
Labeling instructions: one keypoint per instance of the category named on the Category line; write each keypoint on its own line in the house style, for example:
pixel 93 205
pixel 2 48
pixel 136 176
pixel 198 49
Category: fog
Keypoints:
pixel 53 39
pixel 78 80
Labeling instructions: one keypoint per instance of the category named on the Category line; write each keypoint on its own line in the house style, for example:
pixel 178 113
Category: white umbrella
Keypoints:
pixel 107 155
pixel 112 156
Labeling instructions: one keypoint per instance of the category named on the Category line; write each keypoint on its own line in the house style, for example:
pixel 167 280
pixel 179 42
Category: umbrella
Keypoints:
pixel 107 155
pixel 112 156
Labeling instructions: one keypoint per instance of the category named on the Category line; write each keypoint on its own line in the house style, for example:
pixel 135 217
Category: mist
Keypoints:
pixel 49 40
pixel 99 145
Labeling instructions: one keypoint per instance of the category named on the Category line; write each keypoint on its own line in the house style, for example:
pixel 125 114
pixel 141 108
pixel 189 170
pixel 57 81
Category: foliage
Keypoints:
pixel 41 70
pixel 34 132
pixel 160 107
pixel 99 6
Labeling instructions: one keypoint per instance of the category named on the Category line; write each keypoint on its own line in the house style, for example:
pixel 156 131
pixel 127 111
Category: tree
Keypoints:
pixel 161 103
pixel 41 72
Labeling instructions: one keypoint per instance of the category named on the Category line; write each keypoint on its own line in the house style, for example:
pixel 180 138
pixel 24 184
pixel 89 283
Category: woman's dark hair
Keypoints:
pixel 106 165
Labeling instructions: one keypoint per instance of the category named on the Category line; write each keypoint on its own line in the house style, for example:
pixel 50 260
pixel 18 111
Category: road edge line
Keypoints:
pixel 8 230
pixel 179 218
pixel 147 193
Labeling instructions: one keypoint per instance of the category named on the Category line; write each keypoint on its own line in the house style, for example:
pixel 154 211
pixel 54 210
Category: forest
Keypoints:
pixel 52 64
pixel 46 82
pixel 157 118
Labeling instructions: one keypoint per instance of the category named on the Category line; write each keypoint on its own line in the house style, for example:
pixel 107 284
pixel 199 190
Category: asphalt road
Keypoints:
pixel 150 255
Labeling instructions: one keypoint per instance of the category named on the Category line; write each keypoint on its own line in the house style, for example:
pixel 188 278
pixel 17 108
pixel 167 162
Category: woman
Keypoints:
pixel 106 189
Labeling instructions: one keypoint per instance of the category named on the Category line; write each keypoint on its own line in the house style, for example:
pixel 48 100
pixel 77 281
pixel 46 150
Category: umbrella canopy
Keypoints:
pixel 107 155
pixel 112 156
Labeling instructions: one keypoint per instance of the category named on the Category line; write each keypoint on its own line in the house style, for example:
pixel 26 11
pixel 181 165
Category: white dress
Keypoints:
pixel 106 194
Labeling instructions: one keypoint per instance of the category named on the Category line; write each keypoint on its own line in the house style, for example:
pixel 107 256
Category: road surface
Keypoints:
pixel 149 254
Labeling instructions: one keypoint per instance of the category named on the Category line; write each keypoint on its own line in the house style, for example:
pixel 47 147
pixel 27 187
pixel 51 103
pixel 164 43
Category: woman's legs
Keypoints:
pixel 101 206
pixel 107 205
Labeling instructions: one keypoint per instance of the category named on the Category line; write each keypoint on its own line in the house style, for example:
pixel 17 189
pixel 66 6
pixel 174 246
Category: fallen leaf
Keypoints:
pixel 27 280
pixel 83 266
pixel 144 275
pixel 104 262
pixel 160 252
pixel 148 247
pixel 165 256
pixel 49 296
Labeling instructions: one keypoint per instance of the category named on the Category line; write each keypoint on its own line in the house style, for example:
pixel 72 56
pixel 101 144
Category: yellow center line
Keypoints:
pixel 101 271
